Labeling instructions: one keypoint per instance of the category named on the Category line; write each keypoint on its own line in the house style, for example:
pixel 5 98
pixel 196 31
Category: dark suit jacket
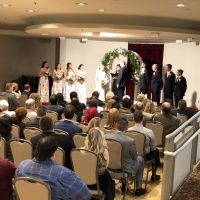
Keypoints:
pixel 26 93
pixel 169 83
pixel 56 108
pixel 68 126
pixel 156 81
pixel 63 141
pixel 184 111
pixel 12 100
pixel 121 78
pixel 180 87
pixel 144 82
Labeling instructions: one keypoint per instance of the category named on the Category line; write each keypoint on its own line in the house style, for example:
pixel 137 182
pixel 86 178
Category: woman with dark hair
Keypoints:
pixel 6 127
pixel 70 78
pixel 20 114
pixel 114 78
pixel 57 77
pixel 43 87
pixel 80 86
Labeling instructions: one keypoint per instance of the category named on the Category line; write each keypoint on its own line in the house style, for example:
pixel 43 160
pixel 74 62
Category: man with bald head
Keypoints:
pixel 169 121
pixel 156 84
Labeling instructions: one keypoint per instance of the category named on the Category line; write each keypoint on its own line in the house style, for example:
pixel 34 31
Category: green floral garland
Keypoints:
pixel 133 57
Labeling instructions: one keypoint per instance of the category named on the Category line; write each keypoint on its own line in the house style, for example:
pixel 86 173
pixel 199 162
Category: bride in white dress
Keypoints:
pixel 101 82
pixel 80 85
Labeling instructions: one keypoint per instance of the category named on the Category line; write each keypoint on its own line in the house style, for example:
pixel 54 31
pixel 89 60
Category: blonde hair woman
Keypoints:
pixel 95 142
pixel 113 116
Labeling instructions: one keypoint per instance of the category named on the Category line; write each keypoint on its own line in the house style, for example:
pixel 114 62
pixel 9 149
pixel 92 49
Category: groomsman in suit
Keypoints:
pixel 121 81
pixel 156 84
pixel 143 79
pixel 180 86
pixel 169 82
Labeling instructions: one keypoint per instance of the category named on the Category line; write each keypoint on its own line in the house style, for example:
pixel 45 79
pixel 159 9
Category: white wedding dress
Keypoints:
pixel 100 76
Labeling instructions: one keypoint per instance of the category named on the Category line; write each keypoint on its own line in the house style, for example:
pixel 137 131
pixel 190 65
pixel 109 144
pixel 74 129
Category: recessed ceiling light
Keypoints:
pixel 180 5
pixel 31 11
pixel 81 4
pixel 101 10
pixel 5 5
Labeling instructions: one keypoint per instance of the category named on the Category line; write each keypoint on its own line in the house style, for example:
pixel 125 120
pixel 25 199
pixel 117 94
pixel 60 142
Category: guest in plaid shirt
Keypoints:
pixel 64 183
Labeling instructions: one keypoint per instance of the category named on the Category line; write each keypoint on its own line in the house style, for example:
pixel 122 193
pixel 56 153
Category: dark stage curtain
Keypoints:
pixel 151 54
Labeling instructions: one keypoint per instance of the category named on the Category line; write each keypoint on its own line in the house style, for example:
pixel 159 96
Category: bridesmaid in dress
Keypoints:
pixel 80 86
pixel 57 76
pixel 43 87
pixel 69 85
pixel 114 78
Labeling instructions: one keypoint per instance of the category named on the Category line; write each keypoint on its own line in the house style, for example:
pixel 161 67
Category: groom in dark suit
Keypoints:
pixel 121 81
pixel 156 84
pixel 169 82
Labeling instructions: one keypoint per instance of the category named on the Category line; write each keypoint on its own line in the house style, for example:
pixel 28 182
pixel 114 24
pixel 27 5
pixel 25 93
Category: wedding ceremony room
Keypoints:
pixel 99 99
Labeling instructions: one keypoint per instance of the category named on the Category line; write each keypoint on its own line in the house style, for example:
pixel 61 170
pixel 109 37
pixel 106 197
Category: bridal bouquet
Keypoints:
pixel 81 77
pixel 46 74
pixel 58 77
pixel 104 82
pixel 70 79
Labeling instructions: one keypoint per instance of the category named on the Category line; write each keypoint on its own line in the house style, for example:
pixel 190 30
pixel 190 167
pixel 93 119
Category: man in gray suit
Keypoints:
pixel 131 162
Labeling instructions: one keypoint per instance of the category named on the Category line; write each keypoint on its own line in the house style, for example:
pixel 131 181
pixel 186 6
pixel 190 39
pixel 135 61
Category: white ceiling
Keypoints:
pixel 135 20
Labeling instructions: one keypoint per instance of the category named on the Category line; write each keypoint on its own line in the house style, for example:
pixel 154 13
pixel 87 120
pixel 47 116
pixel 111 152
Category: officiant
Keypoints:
pixel 114 79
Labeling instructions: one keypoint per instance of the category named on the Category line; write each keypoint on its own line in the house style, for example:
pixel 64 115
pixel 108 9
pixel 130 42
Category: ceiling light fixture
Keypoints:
pixel 180 5
pixel 5 5
pixel 101 10
pixel 81 4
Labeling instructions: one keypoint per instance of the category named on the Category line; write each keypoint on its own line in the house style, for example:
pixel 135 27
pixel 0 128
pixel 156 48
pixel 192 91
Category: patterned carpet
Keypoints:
pixel 190 190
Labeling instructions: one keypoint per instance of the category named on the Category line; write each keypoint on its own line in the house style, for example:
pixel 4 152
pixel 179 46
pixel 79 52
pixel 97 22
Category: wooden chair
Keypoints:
pixel 115 163
pixel 52 115
pixel 26 120
pixel 15 131
pixel 59 156
pixel 22 99
pixel 2 148
pixel 79 141
pixel 21 150
pixel 84 127
pixel 85 165
pixel 31 189
pixel 30 132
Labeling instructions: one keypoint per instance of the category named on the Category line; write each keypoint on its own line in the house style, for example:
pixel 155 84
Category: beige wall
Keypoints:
pixel 23 56
pixel 186 56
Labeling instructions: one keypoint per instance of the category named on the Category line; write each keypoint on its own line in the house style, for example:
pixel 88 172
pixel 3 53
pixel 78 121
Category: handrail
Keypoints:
pixel 184 125
pixel 173 154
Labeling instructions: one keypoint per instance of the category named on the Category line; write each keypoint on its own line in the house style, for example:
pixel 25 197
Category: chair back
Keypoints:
pixel 60 132
pixel 15 131
pixel 139 139
pixel 2 147
pixel 84 127
pixel 157 129
pixel 32 189
pixel 3 97
pixel 59 156
pixel 26 120
pixel 21 150
pixel 22 99
pixel 52 115
pixel 30 132
pixel 115 154
pixel 79 141
pixel 84 164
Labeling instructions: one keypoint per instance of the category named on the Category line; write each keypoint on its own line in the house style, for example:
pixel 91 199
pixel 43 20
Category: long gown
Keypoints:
pixel 57 82
pixel 69 86
pixel 100 76
pixel 81 87
pixel 43 86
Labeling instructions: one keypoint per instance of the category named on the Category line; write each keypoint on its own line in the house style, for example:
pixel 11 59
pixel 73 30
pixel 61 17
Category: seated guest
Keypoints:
pixel 78 108
pixel 30 106
pixel 96 143
pixel 63 182
pixel 125 110
pixel 95 122
pixel 113 116
pixel 4 108
pixel 73 95
pixel 116 105
pixel 61 100
pixel 170 122
pixel 12 99
pixel 20 114
pixel 151 151
pixel 27 89
pixel 95 96
pixel 37 99
pixel 67 124
pixel 54 106
pixel 15 91
pixel 7 173
pixel 91 112
pixel 109 99
pixel 131 162
pixel 63 141
pixel 41 112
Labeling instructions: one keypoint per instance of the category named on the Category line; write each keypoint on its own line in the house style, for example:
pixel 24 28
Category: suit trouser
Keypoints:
pixel 154 155
pixel 156 95
pixel 120 93
pixel 139 173
pixel 168 96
